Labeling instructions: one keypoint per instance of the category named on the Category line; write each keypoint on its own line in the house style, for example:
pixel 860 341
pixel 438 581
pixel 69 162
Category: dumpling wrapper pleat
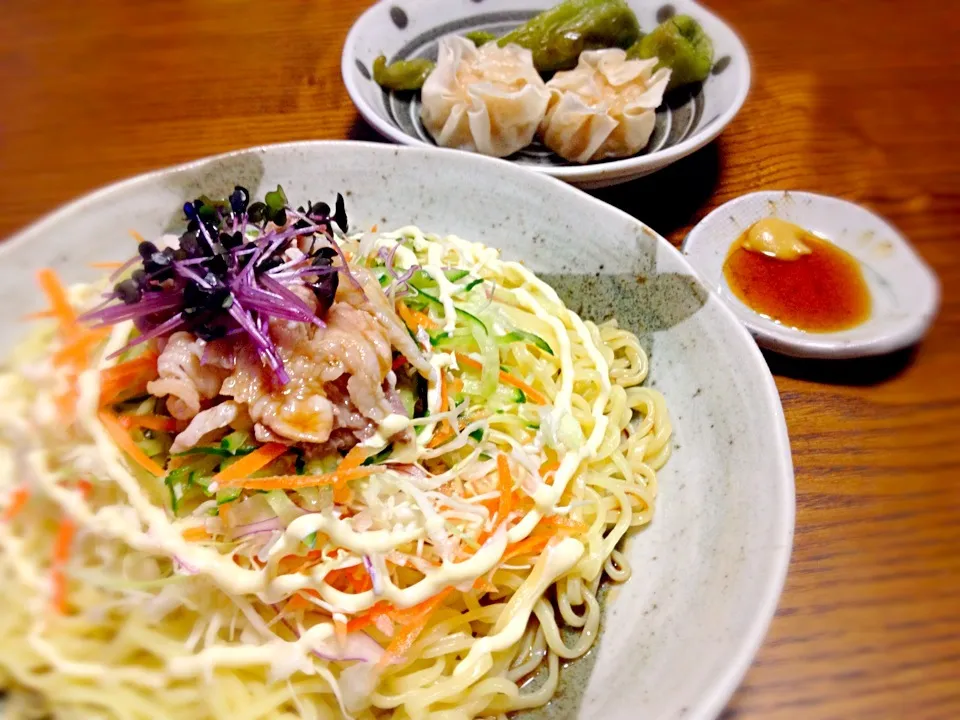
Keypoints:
pixel 489 100
pixel 603 108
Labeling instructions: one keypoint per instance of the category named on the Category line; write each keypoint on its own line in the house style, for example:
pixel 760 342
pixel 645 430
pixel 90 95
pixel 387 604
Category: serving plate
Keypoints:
pixel 402 29
pixel 904 290
pixel 707 573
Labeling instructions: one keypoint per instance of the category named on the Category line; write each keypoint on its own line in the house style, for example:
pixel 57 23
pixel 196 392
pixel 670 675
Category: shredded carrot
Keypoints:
pixel 415 319
pixel 374 227
pixel 410 623
pixel 368 617
pixel 492 505
pixel 196 534
pixel 444 396
pixel 528 546
pixel 293 482
pixel 57 295
pixel 505 377
pixel 504 504
pixel 505 485
pixel 549 467
pixel 353 579
pixel 484 585
pixel 129 377
pixel 106 265
pixel 223 512
pixel 160 423
pixel 18 500
pixel 342 494
pixel 126 443
pixel 61 554
pixel 548 471
pixel 297 602
pixel 539 540
pixel 77 341
pixel 66 405
pixel 292 564
pixel 75 352
pixel 40 315
pixel 444 434
pixel 136 236
pixel 352 459
pixel 130 368
pixel 237 473
pixel 58 593
pixel 562 522
pixel 340 631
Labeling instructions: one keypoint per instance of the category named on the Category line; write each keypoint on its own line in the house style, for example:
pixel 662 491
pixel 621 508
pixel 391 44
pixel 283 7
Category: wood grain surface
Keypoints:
pixel 856 98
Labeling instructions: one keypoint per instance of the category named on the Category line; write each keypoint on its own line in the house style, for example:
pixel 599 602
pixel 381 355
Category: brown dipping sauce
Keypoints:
pixel 821 291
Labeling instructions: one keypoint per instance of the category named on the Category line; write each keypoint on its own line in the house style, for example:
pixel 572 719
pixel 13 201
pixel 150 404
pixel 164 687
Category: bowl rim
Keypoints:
pixel 716 691
pixel 795 343
pixel 626 167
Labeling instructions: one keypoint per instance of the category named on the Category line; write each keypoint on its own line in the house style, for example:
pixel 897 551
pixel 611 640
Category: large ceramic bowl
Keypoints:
pixel 707 572
pixel 400 29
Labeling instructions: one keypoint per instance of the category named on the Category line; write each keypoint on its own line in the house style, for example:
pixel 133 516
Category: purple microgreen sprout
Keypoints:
pixel 236 268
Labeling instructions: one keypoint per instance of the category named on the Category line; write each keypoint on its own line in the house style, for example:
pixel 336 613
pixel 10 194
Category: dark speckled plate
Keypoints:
pixel 402 29
pixel 678 636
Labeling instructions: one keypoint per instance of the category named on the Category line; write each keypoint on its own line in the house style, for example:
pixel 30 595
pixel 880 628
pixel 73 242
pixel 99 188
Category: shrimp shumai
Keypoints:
pixel 603 108
pixel 488 99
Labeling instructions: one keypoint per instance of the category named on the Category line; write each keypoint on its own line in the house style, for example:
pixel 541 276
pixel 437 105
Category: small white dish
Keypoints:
pixel 904 290
pixel 402 29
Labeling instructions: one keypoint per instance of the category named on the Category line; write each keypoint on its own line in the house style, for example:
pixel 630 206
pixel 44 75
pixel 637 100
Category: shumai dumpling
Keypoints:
pixel 489 99
pixel 604 107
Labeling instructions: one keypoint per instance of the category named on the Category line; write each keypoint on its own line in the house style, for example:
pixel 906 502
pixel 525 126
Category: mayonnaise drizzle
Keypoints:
pixel 554 562
pixel 146 527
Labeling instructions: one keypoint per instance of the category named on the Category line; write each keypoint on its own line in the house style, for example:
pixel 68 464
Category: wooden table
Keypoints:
pixel 855 98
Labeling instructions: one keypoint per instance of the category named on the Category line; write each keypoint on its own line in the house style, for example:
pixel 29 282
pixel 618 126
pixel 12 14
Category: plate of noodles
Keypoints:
pixel 330 429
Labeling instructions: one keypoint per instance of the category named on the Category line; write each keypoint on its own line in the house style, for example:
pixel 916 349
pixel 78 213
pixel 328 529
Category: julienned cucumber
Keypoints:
pixel 235 441
pixel 422 280
pixel 455 275
pixel 462 340
pixel 525 337
pixel 427 299
pixel 225 495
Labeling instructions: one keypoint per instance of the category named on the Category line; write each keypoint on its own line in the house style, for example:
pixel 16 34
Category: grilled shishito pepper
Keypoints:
pixel 556 37
pixel 681 45
pixel 402 74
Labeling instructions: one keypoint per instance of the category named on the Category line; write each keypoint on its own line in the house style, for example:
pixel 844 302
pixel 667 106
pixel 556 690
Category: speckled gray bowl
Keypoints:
pixel 708 571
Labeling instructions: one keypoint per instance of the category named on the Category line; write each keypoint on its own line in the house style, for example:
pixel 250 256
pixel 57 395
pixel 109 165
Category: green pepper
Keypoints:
pixel 681 45
pixel 557 36
pixel 480 37
pixel 402 74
